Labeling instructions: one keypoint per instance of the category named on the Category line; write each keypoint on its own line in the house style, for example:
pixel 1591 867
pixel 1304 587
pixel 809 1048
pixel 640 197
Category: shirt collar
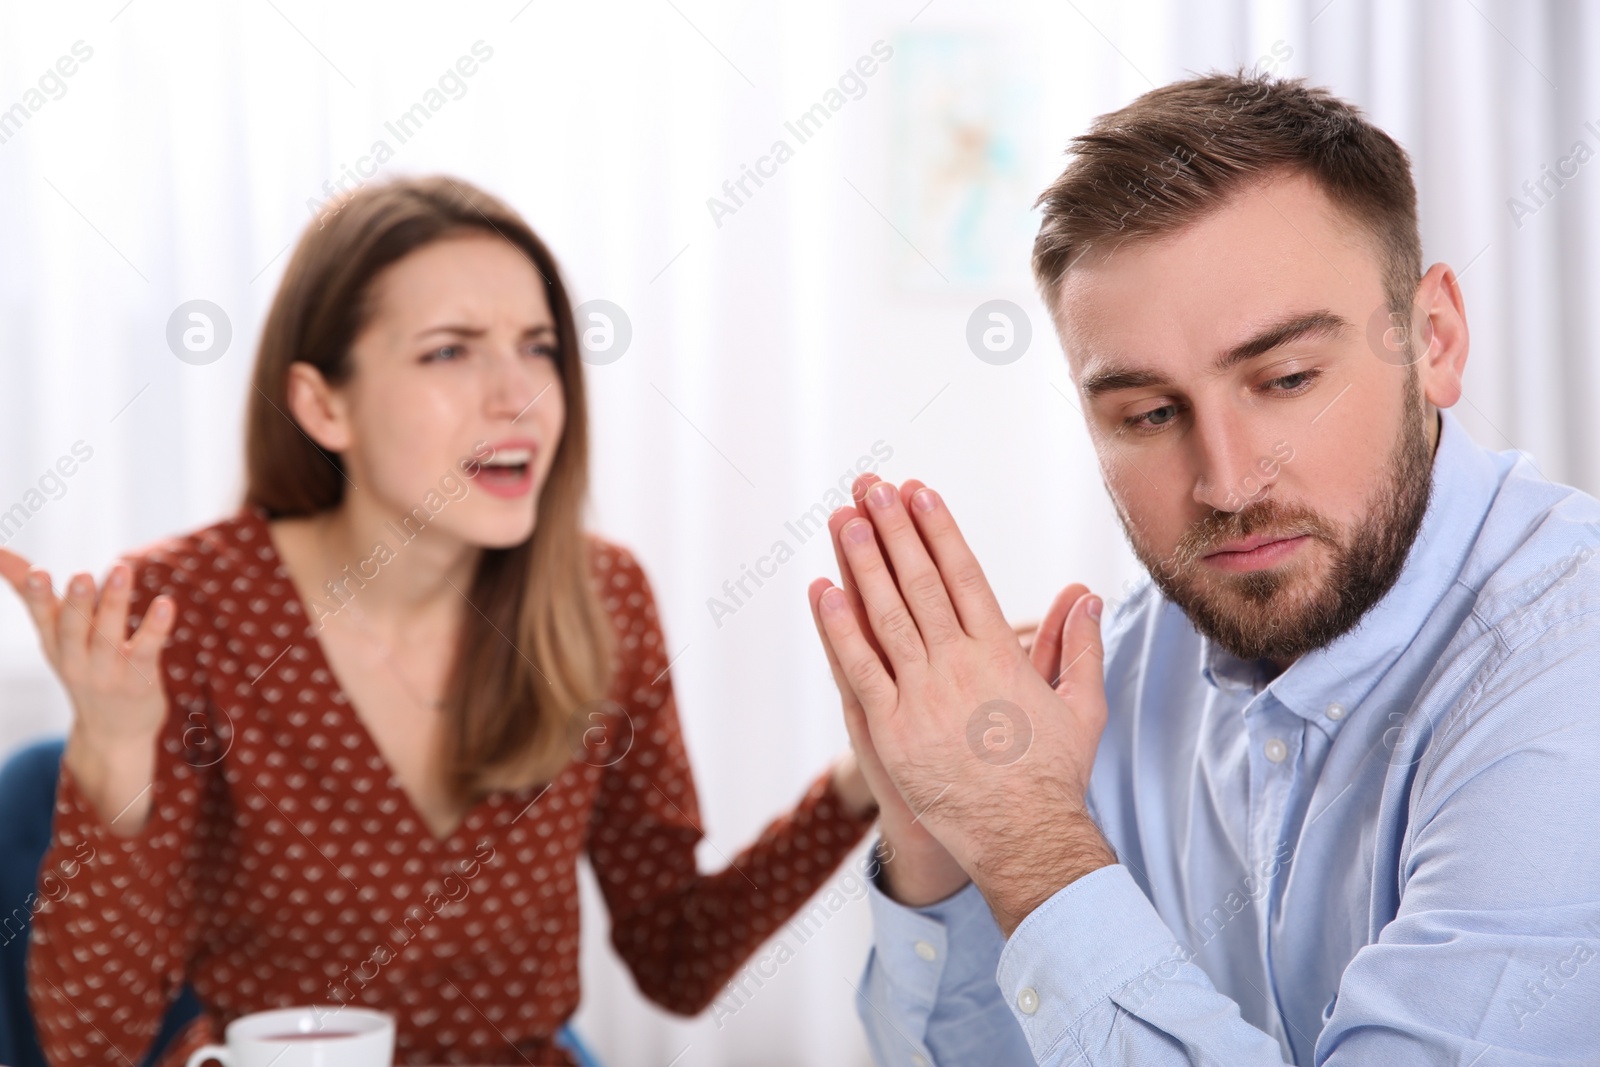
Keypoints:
pixel 1465 480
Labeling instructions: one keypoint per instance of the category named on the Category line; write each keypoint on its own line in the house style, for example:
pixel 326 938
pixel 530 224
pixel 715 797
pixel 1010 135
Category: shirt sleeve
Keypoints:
pixel 109 948
pixel 1488 958
pixel 683 934
pixel 928 994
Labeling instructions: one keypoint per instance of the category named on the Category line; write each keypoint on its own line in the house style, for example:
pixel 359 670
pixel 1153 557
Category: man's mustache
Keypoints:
pixel 1269 516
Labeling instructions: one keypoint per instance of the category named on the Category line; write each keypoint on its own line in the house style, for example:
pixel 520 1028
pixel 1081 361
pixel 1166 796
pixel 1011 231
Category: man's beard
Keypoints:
pixel 1256 615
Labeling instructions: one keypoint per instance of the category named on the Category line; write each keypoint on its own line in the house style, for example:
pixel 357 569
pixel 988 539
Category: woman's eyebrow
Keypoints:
pixel 455 329
pixel 458 330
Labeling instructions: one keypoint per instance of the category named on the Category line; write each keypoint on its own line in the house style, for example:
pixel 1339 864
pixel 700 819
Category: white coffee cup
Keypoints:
pixel 316 1036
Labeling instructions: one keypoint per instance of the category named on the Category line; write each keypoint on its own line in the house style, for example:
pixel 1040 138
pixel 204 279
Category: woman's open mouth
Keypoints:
pixel 507 473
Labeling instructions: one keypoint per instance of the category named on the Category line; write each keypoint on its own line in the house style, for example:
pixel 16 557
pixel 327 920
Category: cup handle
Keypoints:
pixel 210 1052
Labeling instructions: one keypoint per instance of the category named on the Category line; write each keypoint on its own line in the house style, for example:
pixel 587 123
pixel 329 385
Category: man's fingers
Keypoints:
pixel 1082 672
pixel 814 594
pixel 855 722
pixel 887 613
pixel 863 671
pixel 847 580
pixel 1047 643
pixel 918 580
pixel 974 601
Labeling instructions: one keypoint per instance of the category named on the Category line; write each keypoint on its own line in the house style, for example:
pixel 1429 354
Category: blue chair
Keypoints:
pixel 27 804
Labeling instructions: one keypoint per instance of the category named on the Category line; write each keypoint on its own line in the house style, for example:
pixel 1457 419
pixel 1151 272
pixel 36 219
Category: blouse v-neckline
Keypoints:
pixel 475 813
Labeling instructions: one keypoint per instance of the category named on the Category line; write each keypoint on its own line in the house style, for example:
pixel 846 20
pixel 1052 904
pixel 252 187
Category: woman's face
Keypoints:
pixel 456 366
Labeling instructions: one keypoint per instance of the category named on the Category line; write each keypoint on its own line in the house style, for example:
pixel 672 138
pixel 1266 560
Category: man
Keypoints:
pixel 1325 790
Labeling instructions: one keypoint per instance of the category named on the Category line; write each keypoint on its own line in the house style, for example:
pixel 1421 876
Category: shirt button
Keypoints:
pixel 926 951
pixel 1027 1000
pixel 919 1060
pixel 1276 750
pixel 1336 711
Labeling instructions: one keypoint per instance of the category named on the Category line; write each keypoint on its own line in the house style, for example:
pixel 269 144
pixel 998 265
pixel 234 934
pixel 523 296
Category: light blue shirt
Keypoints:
pixel 1388 854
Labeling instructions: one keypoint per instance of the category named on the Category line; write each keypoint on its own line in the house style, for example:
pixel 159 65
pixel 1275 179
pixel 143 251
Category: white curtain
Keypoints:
pixel 783 333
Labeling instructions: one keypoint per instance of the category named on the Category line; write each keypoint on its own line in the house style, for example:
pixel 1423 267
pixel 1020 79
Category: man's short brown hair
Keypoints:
pixel 1178 152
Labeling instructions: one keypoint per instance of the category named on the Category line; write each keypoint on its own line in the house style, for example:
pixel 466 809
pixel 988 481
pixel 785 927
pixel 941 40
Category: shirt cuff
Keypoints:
pixel 938 945
pixel 1077 948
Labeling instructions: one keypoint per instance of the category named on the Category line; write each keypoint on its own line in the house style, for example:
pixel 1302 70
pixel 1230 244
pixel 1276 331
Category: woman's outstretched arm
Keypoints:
pixel 682 933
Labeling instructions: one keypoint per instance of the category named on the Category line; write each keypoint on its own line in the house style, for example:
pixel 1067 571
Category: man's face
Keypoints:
pixel 1270 469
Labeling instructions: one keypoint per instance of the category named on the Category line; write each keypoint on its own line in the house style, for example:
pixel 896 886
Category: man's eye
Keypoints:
pixel 1291 383
pixel 1152 419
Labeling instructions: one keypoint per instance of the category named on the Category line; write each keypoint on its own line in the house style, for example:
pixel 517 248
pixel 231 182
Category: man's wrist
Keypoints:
pixel 915 879
pixel 850 786
pixel 1015 881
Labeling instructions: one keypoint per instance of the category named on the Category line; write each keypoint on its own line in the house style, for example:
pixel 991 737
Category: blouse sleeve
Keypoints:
pixel 684 934
pixel 109 947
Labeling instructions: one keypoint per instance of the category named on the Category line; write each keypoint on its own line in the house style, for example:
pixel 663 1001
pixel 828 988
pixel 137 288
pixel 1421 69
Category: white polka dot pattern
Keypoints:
pixel 283 864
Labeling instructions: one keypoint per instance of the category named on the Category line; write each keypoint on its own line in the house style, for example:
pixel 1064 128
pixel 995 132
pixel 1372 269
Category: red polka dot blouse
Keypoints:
pixel 282 863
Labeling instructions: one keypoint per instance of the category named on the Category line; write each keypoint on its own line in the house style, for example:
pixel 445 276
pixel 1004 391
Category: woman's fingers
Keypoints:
pixel 144 649
pixel 46 611
pixel 33 587
pixel 110 621
pixel 14 569
pixel 72 627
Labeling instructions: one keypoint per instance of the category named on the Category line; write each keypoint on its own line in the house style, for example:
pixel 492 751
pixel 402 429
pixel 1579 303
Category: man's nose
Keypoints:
pixel 1226 477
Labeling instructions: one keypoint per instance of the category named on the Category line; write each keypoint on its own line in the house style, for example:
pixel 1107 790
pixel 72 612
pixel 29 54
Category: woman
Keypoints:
pixel 364 727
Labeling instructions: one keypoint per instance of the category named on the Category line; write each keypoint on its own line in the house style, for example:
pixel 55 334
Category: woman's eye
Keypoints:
pixel 545 351
pixel 448 352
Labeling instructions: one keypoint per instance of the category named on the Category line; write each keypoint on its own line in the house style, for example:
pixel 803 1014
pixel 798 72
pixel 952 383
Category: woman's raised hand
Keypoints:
pixel 112 678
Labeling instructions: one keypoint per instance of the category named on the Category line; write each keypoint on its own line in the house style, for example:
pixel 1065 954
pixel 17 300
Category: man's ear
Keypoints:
pixel 318 407
pixel 1441 312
